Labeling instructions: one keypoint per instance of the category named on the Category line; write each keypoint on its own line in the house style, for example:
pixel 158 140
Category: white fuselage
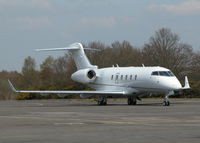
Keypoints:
pixel 133 80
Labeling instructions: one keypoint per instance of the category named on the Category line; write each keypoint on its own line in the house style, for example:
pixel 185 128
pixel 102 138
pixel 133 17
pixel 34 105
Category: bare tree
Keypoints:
pixel 60 72
pixel 125 54
pixel 165 49
pixel 121 53
pixel 195 68
pixel 29 72
pixel 47 73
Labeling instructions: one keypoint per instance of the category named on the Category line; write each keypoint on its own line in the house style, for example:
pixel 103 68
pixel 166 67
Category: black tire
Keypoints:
pixel 102 103
pixel 166 103
pixel 134 102
pixel 129 101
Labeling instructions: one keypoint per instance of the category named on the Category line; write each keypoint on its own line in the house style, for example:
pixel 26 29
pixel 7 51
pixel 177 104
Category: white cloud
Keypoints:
pixel 27 3
pixel 186 7
pixel 41 3
pixel 106 22
pixel 30 23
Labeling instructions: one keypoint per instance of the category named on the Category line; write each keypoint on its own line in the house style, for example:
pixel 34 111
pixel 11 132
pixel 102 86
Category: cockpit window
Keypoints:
pixel 155 73
pixel 170 73
pixel 162 73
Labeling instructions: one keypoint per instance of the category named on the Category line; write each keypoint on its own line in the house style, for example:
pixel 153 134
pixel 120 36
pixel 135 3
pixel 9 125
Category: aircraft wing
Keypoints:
pixel 67 92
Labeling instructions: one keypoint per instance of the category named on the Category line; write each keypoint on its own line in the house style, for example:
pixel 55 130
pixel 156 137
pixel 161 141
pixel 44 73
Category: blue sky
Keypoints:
pixel 26 25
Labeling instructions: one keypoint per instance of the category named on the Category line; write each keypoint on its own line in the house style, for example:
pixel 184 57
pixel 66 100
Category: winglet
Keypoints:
pixel 187 85
pixel 11 86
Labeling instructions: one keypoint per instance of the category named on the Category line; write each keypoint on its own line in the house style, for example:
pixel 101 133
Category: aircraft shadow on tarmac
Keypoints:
pixel 109 104
pixel 121 104
pixel 88 104
pixel 81 104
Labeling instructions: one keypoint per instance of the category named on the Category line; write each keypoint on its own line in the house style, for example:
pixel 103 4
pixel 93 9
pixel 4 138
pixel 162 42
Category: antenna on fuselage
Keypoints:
pixel 117 65
pixel 143 65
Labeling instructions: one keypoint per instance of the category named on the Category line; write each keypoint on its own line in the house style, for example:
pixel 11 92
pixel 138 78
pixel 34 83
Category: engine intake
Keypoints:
pixel 84 76
pixel 91 74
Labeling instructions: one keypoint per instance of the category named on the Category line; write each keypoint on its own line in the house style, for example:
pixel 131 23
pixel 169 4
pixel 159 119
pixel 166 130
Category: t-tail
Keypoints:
pixel 78 55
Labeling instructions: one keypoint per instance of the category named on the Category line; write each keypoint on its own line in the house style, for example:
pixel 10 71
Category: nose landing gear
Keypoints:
pixel 166 99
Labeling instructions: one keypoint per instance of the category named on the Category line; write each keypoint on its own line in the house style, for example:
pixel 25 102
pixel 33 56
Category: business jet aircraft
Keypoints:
pixel 130 82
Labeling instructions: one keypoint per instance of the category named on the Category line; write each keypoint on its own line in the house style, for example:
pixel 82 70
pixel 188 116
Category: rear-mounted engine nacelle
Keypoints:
pixel 91 74
pixel 84 76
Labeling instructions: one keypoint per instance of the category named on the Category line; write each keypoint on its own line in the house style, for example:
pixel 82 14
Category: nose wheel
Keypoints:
pixel 166 99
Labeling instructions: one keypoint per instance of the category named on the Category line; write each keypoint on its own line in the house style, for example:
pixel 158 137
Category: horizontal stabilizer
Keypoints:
pixel 58 49
pixel 75 46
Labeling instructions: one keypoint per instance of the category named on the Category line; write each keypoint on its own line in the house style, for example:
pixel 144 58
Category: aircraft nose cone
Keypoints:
pixel 175 84
pixel 171 83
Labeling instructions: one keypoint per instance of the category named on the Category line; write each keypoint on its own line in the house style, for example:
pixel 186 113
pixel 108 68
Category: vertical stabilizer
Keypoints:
pixel 78 55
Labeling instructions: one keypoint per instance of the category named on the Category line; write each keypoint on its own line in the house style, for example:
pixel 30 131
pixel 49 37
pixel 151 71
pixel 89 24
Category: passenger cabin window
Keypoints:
pixel 121 77
pixel 116 77
pixel 162 73
pixel 126 77
pixel 131 77
pixel 112 77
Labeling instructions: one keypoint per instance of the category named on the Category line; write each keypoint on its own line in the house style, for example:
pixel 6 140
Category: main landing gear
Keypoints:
pixel 102 101
pixel 132 101
pixel 166 103
pixel 166 99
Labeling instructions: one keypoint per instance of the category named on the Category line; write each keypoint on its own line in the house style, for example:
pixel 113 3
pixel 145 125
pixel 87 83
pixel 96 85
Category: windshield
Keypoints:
pixel 162 73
